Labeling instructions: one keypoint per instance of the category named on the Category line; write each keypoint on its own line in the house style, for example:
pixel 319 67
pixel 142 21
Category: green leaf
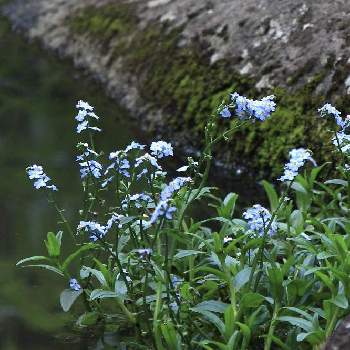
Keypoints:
pixel 211 305
pixel 120 289
pixel 86 271
pixel 340 301
pixel 297 321
pixel 271 194
pixel 184 253
pixel 337 182
pixel 47 267
pixel 53 244
pixel 74 255
pixel 245 330
pixel 242 278
pixel 88 319
pixel 32 258
pixel 172 339
pixel 68 297
pixel 102 294
pixel 251 300
pixel 212 318
pixel 299 188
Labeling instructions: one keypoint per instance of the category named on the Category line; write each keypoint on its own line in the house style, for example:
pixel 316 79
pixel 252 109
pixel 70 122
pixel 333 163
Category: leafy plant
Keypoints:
pixel 142 265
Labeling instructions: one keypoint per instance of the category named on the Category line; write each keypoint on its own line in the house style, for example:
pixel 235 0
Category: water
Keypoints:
pixel 37 98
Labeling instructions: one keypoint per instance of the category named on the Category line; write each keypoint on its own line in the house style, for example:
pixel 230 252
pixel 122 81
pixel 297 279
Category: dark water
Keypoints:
pixel 37 108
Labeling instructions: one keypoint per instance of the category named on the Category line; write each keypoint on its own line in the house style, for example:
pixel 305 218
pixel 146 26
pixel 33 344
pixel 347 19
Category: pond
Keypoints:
pixel 38 94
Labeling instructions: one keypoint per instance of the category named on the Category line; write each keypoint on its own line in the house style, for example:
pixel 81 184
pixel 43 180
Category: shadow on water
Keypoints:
pixel 37 97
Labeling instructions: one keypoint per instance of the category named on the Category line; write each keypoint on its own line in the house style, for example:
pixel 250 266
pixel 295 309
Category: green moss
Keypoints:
pixel 181 82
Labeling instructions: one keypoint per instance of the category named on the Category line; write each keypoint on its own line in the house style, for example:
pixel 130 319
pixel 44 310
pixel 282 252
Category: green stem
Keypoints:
pixel 272 326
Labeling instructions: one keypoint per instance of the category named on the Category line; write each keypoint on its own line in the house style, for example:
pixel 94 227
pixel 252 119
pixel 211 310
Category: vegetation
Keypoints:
pixel 142 266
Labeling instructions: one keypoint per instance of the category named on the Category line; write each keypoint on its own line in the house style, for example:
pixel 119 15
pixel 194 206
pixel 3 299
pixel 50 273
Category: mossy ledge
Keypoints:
pixel 181 83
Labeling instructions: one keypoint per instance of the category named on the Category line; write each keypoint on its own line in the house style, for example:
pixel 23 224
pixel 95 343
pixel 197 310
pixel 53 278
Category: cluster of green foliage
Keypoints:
pixel 207 283
pixel 181 82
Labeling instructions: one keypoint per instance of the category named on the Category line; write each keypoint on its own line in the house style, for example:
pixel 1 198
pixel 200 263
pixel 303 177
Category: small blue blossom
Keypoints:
pixel 174 186
pixel 162 210
pixel 161 149
pixel 139 200
pixel 90 167
pixel 258 219
pixel 120 164
pixel 329 111
pixel 85 112
pixel 74 285
pixel 84 106
pixel 36 172
pixel 225 112
pixel 257 109
pixel 87 152
pixel 298 157
pixel 134 145
pixel 144 253
pixel 96 230
pixel 343 140
pixel 114 220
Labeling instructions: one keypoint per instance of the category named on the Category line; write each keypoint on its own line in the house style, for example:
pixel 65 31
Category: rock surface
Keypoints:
pixel 267 39
pixel 272 42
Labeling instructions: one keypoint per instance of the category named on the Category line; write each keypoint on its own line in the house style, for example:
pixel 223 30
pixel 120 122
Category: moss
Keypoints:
pixel 181 82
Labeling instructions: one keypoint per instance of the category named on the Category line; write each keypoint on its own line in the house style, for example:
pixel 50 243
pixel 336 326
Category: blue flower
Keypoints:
pixel 258 109
pixel 298 157
pixel 90 167
pixel 139 200
pixel 114 220
pixel 174 186
pixel 162 210
pixel 74 285
pixel 119 164
pixel 225 112
pixel 96 230
pixel 161 149
pixel 144 253
pixel 258 219
pixel 329 111
pixel 85 112
pixel 87 152
pixel 343 140
pixel 134 145
pixel 36 172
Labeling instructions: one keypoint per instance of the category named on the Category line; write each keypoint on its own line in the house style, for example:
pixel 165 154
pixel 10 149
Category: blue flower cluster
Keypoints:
pixel 90 167
pixel 74 284
pixel 259 219
pixel 161 149
pixel 329 111
pixel 36 173
pixel 139 200
pixel 344 141
pixel 249 109
pixel 83 117
pixel 174 186
pixel 298 158
pixel 162 210
pixel 144 253
pixel 98 231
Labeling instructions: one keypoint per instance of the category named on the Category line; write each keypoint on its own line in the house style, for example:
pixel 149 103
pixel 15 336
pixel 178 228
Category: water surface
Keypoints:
pixel 38 94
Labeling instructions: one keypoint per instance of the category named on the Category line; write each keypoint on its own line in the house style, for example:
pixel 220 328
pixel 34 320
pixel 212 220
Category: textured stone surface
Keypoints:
pixel 273 42
pixel 268 39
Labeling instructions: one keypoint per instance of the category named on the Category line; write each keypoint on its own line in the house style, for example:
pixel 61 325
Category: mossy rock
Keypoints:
pixel 181 82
